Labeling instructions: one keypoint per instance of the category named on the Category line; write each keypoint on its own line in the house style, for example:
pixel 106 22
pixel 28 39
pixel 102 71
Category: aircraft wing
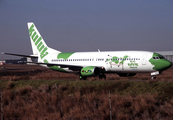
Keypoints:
pixel 31 56
pixel 71 67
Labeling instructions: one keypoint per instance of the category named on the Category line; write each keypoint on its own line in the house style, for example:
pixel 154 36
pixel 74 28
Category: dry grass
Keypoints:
pixel 10 85
pixel 51 102
pixel 78 100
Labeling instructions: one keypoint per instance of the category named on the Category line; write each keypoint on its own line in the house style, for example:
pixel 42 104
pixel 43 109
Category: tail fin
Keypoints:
pixel 39 47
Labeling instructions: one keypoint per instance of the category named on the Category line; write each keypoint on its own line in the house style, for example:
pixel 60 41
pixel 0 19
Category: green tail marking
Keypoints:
pixel 38 42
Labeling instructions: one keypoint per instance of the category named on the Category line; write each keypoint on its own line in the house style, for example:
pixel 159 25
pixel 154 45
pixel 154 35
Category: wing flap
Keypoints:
pixel 71 67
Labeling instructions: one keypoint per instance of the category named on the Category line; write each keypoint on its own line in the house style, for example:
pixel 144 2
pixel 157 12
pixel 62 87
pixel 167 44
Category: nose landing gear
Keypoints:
pixel 153 77
pixel 153 74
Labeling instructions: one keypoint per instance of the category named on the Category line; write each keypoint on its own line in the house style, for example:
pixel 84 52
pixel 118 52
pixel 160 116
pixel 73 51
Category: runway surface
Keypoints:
pixel 8 71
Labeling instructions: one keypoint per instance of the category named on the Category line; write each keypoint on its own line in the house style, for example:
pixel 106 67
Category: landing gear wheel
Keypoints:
pixel 100 76
pixel 104 76
pixel 153 77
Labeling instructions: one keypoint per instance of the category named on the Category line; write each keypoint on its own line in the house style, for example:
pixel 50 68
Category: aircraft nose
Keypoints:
pixel 166 64
pixel 162 65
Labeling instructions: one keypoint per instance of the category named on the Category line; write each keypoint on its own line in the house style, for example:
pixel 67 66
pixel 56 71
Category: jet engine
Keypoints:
pixel 90 71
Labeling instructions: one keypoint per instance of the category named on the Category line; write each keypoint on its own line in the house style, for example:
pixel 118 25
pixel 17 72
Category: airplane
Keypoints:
pixel 87 64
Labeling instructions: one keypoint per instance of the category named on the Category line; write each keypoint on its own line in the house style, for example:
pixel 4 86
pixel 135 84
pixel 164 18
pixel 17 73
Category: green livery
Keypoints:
pixel 159 62
pixel 38 42
pixel 90 71
pixel 116 59
pixel 56 68
pixel 64 55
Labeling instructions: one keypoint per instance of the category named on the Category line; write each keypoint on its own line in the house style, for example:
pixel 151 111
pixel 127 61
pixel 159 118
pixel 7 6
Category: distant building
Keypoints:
pixel 167 54
pixel 16 61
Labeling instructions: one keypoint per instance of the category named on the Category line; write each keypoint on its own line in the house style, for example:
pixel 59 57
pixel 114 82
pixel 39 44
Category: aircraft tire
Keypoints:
pixel 153 77
pixel 104 76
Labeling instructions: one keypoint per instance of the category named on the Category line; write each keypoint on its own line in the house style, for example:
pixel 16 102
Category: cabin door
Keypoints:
pixel 144 59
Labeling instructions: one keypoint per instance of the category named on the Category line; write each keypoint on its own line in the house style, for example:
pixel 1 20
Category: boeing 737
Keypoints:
pixel 86 64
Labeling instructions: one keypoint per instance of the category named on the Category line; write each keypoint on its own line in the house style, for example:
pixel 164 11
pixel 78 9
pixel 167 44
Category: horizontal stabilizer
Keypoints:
pixel 31 56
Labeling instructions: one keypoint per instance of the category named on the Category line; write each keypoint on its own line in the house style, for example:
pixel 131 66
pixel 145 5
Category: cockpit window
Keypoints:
pixel 158 57
pixel 161 57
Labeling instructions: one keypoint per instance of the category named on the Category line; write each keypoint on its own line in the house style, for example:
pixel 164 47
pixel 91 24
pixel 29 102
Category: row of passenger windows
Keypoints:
pixel 61 60
pixel 100 59
pixel 123 59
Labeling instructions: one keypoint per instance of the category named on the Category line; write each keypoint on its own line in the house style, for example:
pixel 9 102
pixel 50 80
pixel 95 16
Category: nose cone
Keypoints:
pixel 162 65
pixel 167 64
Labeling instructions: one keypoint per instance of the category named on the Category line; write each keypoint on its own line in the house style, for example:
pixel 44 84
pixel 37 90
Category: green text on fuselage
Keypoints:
pixel 133 64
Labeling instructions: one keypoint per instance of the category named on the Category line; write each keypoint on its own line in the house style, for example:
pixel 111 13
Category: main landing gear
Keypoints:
pixel 100 77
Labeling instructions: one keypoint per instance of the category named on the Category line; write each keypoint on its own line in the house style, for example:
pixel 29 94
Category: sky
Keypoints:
pixel 87 25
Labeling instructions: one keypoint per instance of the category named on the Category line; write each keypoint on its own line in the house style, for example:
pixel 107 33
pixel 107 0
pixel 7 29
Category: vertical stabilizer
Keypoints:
pixel 39 46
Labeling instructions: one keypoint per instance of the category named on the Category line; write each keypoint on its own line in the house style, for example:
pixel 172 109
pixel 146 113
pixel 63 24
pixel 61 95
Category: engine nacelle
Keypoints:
pixel 90 71
pixel 126 74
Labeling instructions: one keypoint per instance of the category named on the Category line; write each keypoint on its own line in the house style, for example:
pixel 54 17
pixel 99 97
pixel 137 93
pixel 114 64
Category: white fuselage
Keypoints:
pixel 112 61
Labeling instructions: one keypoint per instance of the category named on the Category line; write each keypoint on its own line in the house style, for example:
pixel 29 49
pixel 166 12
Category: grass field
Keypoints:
pixel 31 93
